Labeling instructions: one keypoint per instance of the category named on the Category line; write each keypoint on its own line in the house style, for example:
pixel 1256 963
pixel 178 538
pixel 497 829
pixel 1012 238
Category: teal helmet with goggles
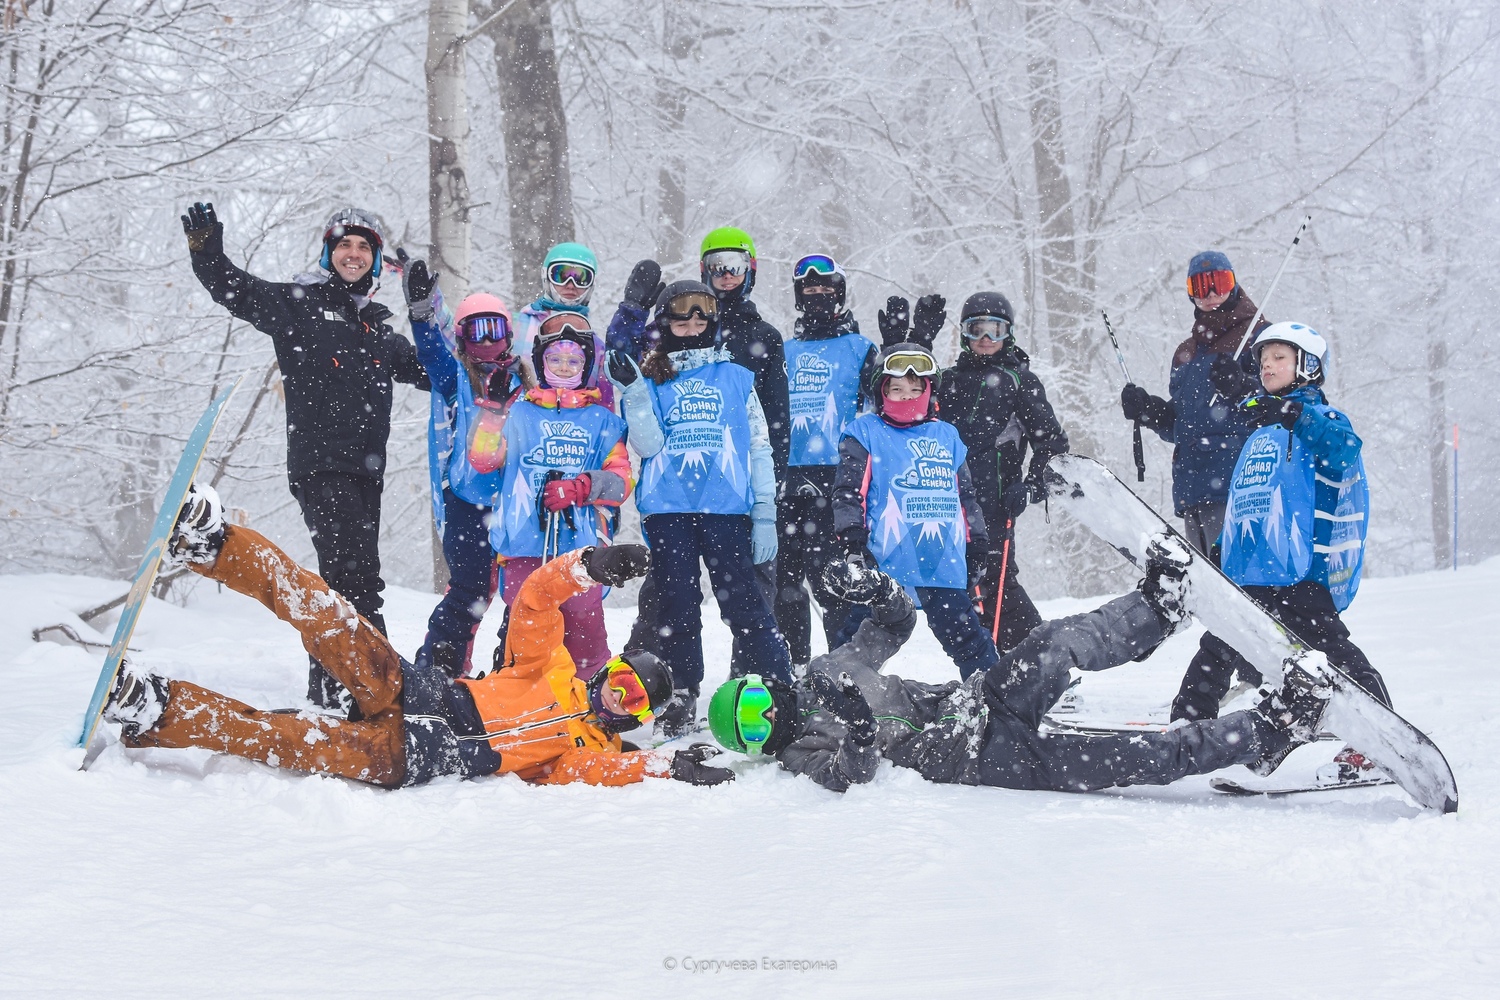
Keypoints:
pixel 641 683
pixel 986 316
pixel 752 716
pixel 569 264
pixel 814 271
pixel 728 250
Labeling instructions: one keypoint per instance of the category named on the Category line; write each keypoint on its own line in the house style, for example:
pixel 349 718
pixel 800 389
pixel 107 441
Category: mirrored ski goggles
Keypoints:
pixel 581 275
pixel 685 305
pixel 986 328
pixel 751 710
pixel 1201 286
pixel 814 263
pixel 722 262
pixel 485 329
pixel 909 363
pixel 621 678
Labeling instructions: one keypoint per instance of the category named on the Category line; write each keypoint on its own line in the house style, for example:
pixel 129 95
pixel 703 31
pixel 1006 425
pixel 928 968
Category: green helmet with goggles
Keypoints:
pixel 741 714
pixel 725 251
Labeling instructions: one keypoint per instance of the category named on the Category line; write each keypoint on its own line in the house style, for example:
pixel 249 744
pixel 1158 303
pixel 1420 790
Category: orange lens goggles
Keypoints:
pixel 1201 286
pixel 621 678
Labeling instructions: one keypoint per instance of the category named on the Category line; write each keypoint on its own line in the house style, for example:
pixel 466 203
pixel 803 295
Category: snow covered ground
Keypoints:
pixel 178 874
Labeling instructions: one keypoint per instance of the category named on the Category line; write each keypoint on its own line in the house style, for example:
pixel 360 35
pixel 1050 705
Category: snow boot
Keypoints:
pixel 1295 711
pixel 137 700
pixel 679 715
pixel 1165 585
pixel 198 535
pixel 1347 765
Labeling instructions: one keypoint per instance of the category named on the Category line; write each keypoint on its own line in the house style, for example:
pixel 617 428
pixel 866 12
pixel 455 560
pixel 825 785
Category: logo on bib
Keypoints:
pixel 931 483
pixel 1259 464
pixel 812 374
pixel 564 446
pixel 697 403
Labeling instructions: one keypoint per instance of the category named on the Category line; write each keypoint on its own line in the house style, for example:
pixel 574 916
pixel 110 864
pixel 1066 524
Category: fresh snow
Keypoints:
pixel 176 873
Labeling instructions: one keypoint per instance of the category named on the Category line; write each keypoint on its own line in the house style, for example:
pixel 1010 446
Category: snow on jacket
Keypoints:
pixel 536 711
pixel 1000 409
pixel 338 359
pixel 1299 504
pixel 1207 433
pixel 702 439
pixel 906 494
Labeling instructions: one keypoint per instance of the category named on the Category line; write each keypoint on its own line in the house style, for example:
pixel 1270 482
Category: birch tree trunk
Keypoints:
pixel 447 180
pixel 536 138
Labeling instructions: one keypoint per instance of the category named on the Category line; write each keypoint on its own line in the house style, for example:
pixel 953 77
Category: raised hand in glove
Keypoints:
pixel 644 284
pixel 688 765
pixel 560 494
pixel 614 565
pixel 622 368
pixel 843 699
pixel 417 284
pixel 1230 380
pixel 895 321
pixel 1263 411
pixel 205 233
pixel 927 319
pixel 1152 411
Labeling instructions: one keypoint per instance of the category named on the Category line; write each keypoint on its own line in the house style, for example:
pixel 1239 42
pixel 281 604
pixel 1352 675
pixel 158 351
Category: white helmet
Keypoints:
pixel 1312 349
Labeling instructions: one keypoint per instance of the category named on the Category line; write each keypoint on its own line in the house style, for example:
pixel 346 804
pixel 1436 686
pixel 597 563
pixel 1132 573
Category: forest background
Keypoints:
pixel 1071 154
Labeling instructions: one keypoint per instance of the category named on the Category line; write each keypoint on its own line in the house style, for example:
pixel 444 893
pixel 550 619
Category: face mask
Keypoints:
pixel 552 358
pixel 906 412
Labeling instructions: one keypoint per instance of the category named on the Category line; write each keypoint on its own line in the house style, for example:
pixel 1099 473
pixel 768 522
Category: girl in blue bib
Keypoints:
pixel 902 499
pixel 707 491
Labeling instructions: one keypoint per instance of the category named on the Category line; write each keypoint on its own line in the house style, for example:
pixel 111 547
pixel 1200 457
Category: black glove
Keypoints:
pixel 622 368
pixel 687 765
pixel 1231 381
pixel 895 321
pixel 205 233
pixel 417 285
pixel 1036 484
pixel 1153 412
pixel 1133 401
pixel 845 701
pixel 982 566
pixel 927 319
pixel 613 565
pixel 644 284
pixel 1013 500
pixel 852 545
pixel 1263 411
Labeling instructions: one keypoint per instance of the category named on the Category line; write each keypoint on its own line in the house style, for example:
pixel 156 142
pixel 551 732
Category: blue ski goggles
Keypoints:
pixel 815 263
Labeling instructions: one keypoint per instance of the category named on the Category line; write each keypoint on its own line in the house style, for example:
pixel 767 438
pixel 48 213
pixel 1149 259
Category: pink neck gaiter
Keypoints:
pixel 906 412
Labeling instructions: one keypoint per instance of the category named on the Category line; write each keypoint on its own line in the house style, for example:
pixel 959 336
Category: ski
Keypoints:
pixel 1097 499
pixel 145 574
pixel 1229 787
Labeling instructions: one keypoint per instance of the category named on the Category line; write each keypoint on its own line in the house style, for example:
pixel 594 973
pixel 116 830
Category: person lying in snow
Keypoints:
pixel 846 715
pixel 535 718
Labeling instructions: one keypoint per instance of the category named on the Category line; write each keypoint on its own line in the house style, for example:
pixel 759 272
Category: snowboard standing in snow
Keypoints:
pixel 1095 497
pixel 145 574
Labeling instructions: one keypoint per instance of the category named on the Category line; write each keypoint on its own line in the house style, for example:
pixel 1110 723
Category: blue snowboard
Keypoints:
pixel 1095 497
pixel 145 575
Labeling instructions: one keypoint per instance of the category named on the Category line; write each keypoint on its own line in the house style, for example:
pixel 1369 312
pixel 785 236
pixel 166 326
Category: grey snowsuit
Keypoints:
pixel 983 731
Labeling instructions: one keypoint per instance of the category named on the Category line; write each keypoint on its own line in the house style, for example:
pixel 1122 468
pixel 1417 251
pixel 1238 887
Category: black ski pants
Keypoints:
pixel 342 513
pixel 1307 609
pixel 1018 615
pixel 805 528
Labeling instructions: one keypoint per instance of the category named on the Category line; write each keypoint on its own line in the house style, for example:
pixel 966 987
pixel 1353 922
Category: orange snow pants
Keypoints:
pixel 336 636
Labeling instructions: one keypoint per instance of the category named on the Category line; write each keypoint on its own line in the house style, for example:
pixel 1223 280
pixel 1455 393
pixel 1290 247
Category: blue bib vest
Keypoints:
pixel 912 509
pixel 482 488
pixel 704 464
pixel 1287 522
pixel 823 380
pixel 538 440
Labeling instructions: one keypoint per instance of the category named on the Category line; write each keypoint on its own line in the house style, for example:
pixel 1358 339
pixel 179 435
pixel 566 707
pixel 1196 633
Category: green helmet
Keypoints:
pixel 737 714
pixel 731 239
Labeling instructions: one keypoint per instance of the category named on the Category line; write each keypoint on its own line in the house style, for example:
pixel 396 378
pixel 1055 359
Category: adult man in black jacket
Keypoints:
pixel 1000 409
pixel 338 358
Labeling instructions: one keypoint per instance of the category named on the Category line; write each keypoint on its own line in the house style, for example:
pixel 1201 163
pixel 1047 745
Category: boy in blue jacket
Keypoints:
pixel 1295 519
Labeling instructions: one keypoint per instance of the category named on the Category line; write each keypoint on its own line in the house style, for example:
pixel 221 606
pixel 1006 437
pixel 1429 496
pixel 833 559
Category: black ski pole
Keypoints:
pixel 1138 448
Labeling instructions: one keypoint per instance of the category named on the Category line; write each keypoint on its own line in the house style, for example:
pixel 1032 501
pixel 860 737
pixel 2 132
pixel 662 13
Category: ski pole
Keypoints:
pixel 1139 449
pixel 1249 330
pixel 1000 591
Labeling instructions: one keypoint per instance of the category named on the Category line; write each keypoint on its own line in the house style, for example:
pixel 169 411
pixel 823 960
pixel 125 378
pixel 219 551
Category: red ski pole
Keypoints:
pixel 1000 591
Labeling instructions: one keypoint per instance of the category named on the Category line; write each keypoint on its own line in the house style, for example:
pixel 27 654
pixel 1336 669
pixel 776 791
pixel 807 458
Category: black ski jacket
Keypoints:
pixel 756 345
pixel 338 358
pixel 1000 409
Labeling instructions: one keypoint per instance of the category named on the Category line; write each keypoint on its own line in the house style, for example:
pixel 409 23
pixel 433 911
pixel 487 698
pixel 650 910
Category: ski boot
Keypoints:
pixel 679 715
pixel 1347 765
pixel 137 700
pixel 1294 714
pixel 198 535
pixel 1165 585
